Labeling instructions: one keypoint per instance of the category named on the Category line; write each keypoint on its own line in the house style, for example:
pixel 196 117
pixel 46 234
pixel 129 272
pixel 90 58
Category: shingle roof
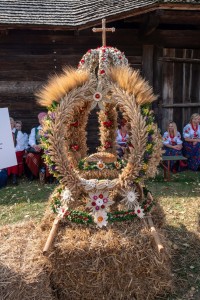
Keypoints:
pixel 70 13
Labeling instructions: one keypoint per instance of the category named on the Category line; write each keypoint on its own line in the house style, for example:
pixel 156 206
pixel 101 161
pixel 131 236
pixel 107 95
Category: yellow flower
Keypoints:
pixel 148 147
pixel 145 111
pixel 145 167
pixel 149 127
pixel 85 165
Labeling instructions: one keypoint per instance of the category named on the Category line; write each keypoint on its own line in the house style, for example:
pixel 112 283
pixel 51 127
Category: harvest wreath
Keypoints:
pixel 100 183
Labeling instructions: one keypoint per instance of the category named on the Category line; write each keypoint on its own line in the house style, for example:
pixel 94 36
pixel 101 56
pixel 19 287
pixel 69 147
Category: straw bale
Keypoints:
pixel 118 262
pixel 18 279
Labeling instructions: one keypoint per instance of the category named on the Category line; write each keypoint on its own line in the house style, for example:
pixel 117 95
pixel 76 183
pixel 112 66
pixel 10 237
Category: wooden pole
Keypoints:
pixel 51 236
pixel 155 235
pixel 153 230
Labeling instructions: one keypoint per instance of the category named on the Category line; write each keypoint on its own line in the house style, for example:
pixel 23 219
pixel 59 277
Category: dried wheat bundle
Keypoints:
pixel 130 81
pixel 60 85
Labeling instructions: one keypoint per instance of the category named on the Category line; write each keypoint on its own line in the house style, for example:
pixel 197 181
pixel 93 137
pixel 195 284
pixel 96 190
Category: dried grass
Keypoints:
pixel 119 262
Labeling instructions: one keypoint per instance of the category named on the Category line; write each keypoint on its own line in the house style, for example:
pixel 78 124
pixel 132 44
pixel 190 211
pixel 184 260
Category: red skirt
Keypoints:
pixel 19 168
pixel 35 163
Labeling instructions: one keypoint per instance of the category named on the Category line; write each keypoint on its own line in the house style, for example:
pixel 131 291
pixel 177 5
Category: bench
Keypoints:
pixel 167 167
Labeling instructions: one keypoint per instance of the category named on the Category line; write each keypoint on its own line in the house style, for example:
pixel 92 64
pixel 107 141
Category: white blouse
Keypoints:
pixel 168 140
pixel 32 137
pixel 190 132
pixel 122 140
pixel 19 140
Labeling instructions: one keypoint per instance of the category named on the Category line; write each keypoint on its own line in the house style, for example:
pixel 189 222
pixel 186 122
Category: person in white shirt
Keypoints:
pixel 122 138
pixel 172 144
pixel 34 159
pixel 191 145
pixel 18 126
pixel 18 139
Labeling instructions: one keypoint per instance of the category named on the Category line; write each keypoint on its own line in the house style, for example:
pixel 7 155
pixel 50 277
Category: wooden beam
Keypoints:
pixel 186 104
pixel 180 60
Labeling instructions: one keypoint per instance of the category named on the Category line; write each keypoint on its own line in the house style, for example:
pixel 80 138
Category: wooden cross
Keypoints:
pixel 103 30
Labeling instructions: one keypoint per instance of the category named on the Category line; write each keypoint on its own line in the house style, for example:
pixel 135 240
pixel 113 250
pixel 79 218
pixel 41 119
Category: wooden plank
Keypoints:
pixel 157 85
pixel 167 88
pixel 19 87
pixel 180 60
pixel 185 104
pixel 147 63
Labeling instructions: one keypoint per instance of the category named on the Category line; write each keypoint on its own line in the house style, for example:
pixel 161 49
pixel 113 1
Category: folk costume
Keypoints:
pixel 18 139
pixel 173 141
pixel 190 150
pixel 34 159
pixel 121 141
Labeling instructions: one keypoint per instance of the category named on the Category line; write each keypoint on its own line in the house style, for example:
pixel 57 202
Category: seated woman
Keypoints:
pixel 191 145
pixel 122 138
pixel 34 159
pixel 18 139
pixel 173 145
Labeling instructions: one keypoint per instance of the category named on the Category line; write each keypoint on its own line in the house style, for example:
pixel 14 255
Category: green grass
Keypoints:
pixel 178 201
pixel 25 201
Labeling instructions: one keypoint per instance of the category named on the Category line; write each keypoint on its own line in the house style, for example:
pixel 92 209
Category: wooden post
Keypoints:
pixel 155 235
pixel 153 230
pixel 147 63
pixel 51 236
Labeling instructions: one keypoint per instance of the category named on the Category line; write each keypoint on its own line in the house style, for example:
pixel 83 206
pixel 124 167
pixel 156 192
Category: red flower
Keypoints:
pixel 75 147
pixel 120 57
pixel 107 145
pixel 102 72
pixel 75 124
pixel 82 61
pixel 107 123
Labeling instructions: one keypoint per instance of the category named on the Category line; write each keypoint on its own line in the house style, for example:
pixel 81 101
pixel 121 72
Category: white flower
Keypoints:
pixel 62 211
pixel 100 165
pixel 99 202
pixel 97 96
pixel 66 195
pixel 139 211
pixel 130 198
pixel 100 218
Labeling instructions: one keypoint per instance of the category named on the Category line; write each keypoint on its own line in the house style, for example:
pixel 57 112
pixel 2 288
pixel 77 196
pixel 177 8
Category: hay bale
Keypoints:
pixel 19 281
pixel 118 262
